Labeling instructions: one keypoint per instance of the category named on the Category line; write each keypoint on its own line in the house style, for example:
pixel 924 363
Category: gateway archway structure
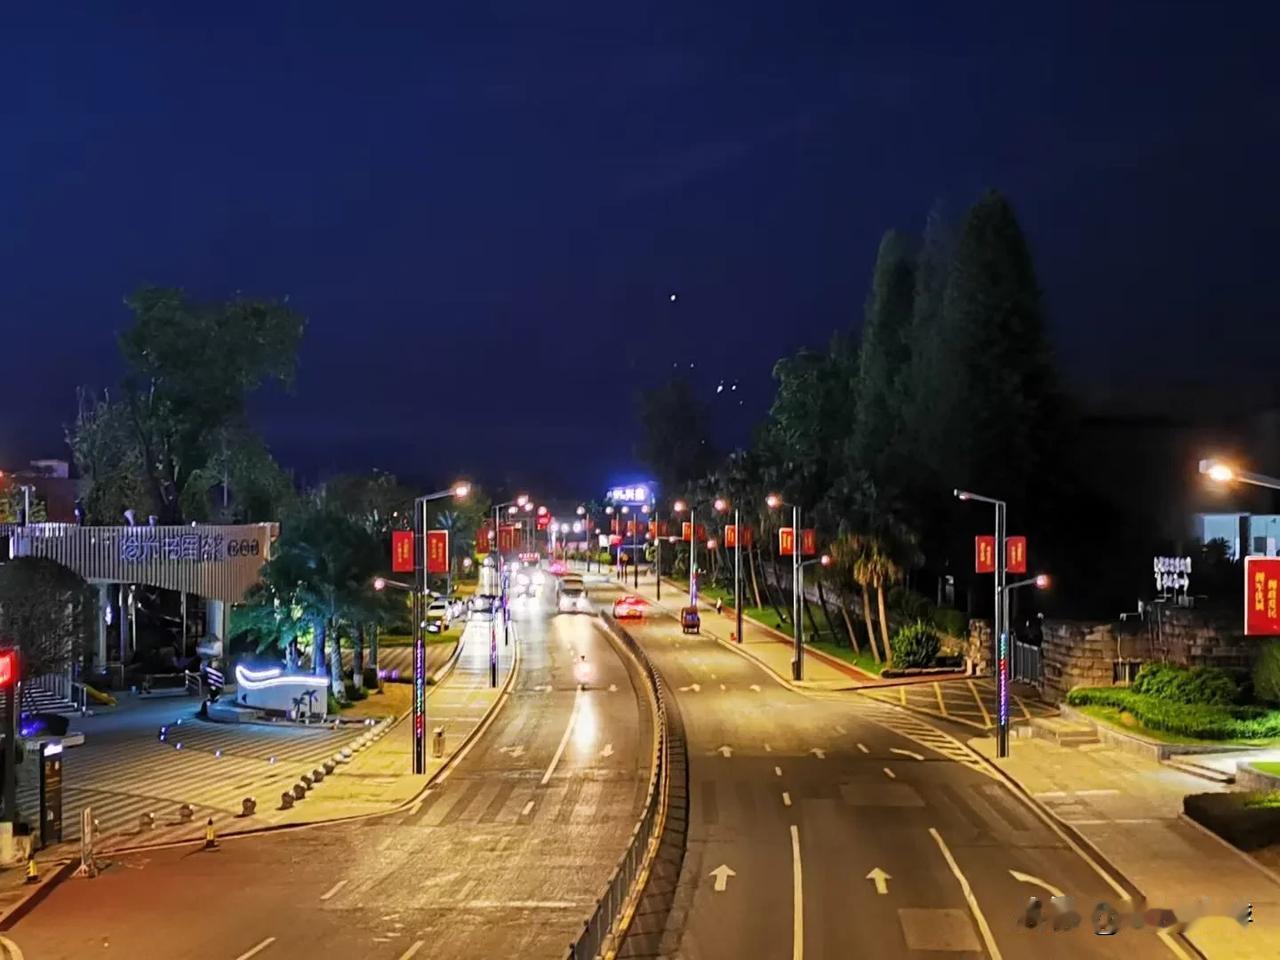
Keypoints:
pixel 218 563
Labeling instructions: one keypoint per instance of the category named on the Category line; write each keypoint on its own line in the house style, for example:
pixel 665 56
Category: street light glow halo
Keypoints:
pixel 773 501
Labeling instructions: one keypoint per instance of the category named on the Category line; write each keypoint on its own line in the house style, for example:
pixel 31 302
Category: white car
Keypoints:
pixel 439 615
pixel 572 598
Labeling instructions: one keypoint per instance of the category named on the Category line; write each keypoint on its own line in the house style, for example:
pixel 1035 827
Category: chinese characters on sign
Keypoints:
pixel 808 542
pixel 1172 573
pixel 1015 554
pixel 984 554
pixel 786 542
pixel 731 536
pixel 437 551
pixel 687 532
pixel 507 537
pixel 192 546
pixel 1262 596
pixel 401 551
pixel 636 494
pixel 484 538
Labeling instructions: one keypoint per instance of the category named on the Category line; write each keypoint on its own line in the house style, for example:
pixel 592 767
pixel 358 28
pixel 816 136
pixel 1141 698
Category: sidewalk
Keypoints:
pixel 373 779
pixel 772 649
pixel 1130 810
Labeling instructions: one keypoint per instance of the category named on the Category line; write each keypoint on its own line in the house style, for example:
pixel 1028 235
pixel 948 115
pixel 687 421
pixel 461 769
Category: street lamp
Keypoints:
pixel 999 617
pixel 458 491
pixel 680 506
pixel 1222 472
pixel 774 501
pixel 512 507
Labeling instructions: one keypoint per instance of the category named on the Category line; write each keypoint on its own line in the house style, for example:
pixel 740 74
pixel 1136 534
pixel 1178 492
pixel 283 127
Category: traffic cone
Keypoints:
pixel 33 870
pixel 210 841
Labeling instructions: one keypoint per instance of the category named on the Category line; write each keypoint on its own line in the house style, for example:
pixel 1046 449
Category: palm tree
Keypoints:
pixel 877 568
pixel 851 556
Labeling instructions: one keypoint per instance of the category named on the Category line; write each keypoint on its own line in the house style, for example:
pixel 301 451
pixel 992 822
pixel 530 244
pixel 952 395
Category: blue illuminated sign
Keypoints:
pixel 636 494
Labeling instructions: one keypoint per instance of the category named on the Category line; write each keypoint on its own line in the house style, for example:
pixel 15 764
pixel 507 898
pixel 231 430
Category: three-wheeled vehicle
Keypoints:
pixel 690 621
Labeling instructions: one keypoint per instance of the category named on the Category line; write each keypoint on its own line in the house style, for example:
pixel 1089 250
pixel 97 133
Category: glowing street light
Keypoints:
pixel 775 501
pixel 1221 472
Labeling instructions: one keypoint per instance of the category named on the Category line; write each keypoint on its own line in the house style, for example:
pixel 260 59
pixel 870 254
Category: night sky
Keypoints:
pixel 484 207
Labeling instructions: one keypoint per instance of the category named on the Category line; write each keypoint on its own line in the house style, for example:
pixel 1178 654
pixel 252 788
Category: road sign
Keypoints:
pixel 1015 554
pixel 402 551
pixel 1262 596
pixel 984 554
pixel 437 551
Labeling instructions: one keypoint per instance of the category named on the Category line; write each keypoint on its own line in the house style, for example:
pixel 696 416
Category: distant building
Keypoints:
pixel 51 485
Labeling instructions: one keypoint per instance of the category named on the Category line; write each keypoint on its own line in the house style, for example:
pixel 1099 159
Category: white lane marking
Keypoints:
pixel 1096 793
pixel 254 951
pixel 768 749
pixel 466 889
pixel 755 687
pixel 1036 882
pixel 527 807
pixel 890 774
pixel 14 951
pixel 797 907
pixel 413 811
pixel 722 874
pixel 863 748
pixel 842 731
pixel 408 954
pixel 1096 823
pixel 723 687
pixel 786 798
pixel 333 890
pixel 564 740
pixel 818 752
pixel 993 951
pixel 907 753
pixel 1051 793
pixel 526 904
pixel 777 771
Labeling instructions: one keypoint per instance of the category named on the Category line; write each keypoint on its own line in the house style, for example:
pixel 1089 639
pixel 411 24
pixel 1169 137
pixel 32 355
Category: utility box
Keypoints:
pixel 437 742
pixel 50 793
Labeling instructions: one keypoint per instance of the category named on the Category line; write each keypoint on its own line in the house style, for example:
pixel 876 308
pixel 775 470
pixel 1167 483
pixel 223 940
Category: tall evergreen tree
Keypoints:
pixel 884 360
pixel 924 380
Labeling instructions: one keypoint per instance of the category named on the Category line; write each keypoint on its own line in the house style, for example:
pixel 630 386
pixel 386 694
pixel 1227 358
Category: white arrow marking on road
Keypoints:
pixel 693 686
pixel 722 874
pixel 819 753
pixel 863 748
pixel 906 753
pixel 607 751
pixel 1036 882
pixel 880 879
pixel 613 688
pixel 542 688
pixel 514 752
pixel 725 751
pixel 755 687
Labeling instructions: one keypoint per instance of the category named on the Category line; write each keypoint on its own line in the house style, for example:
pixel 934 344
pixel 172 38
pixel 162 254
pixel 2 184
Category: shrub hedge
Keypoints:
pixel 914 645
pixel 1266 672
pixel 1197 685
pixel 1202 721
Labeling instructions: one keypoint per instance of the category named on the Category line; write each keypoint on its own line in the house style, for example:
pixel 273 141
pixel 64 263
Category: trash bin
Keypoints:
pixel 437 742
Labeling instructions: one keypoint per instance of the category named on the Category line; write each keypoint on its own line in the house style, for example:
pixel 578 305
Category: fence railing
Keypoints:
pixel 1027 662
pixel 608 923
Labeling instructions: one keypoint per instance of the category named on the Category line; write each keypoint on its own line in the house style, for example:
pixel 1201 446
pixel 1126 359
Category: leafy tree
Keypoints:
pixel 13 500
pixel 178 426
pixel 675 433
pixel 48 609
pixel 884 359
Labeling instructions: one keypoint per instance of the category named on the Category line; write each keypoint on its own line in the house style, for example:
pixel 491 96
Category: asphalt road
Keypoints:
pixel 504 859
pixel 799 802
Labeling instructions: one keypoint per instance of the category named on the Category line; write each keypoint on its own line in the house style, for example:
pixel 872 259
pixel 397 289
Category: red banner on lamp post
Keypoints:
pixel 808 542
pixel 484 538
pixel 1262 596
pixel 402 551
pixel 544 520
pixel 687 532
pixel 786 542
pixel 1015 554
pixel 507 537
pixel 657 528
pixel 437 551
pixel 984 554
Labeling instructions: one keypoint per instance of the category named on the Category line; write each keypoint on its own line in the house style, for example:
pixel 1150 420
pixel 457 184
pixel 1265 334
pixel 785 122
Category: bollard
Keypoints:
pixel 248 806
pixel 286 800
pixel 210 840
pixel 33 871
pixel 146 821
pixel 437 742
pixel 299 791
pixel 330 766
pixel 185 813
pixel 317 775
pixel 346 753
pixel 306 781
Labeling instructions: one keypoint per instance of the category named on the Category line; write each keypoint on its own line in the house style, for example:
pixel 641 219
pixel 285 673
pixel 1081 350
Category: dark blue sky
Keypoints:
pixel 432 183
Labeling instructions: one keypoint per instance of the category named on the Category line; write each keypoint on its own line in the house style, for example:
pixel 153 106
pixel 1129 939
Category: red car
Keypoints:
pixel 629 608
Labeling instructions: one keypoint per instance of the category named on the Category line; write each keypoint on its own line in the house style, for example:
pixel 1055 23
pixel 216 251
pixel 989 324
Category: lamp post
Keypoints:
pixel 586 532
pixel 1224 473
pixel 774 501
pixel 680 506
pixel 512 506
pixel 458 491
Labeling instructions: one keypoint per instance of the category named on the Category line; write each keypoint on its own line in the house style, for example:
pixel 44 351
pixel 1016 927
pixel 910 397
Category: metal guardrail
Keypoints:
pixel 604 929
pixel 1027 662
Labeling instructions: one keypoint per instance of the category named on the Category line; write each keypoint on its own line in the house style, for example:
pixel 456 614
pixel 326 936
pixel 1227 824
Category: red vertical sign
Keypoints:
pixel 731 535
pixel 984 554
pixel 507 537
pixel 484 538
pixel 402 551
pixel 808 542
pixel 786 542
pixel 657 528
pixel 437 551
pixel 1262 596
pixel 1015 554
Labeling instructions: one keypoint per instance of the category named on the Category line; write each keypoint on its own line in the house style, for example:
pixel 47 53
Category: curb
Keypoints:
pixel 32 900
pixel 1094 857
